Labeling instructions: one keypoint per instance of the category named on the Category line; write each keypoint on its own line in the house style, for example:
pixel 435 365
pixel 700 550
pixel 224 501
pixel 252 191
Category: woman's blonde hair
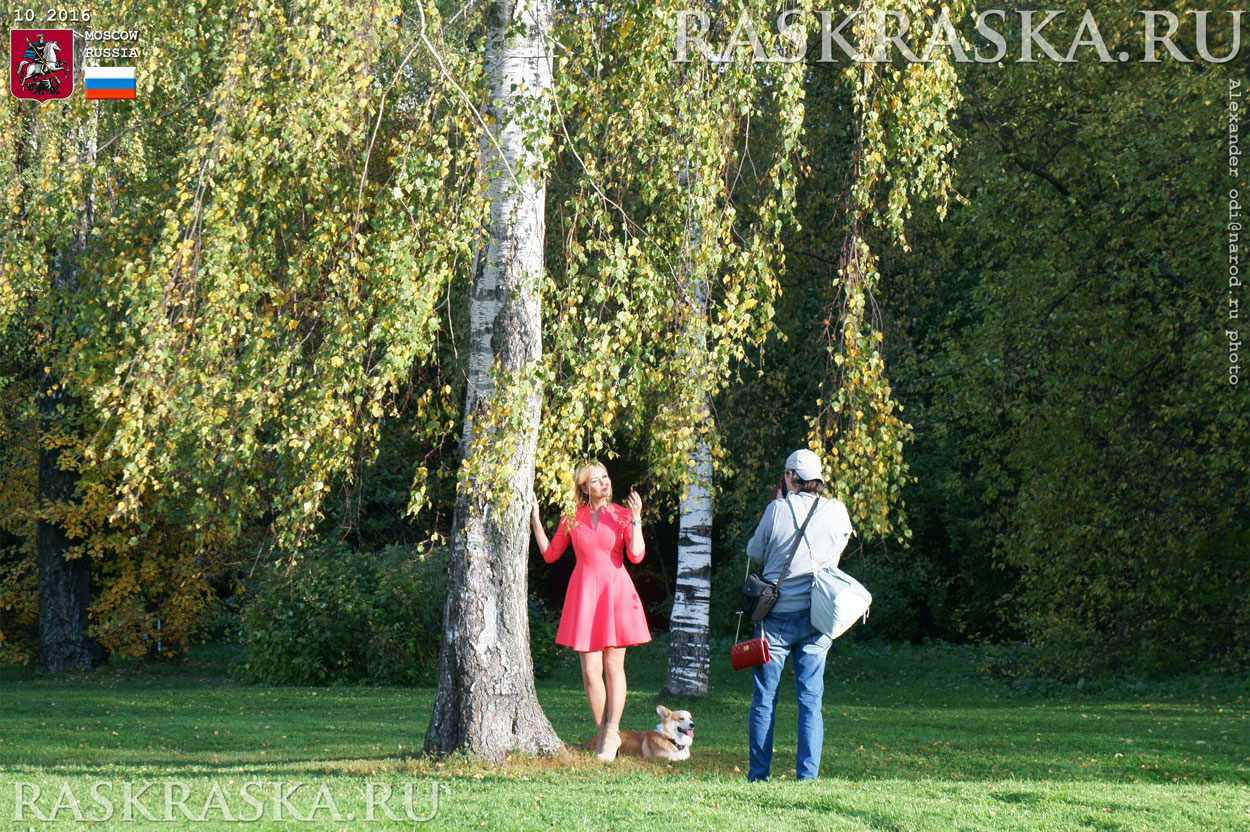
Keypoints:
pixel 580 493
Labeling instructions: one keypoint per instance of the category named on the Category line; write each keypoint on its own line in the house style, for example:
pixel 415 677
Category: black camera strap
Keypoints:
pixel 785 569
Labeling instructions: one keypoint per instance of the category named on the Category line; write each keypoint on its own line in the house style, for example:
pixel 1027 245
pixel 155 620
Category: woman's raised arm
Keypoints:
pixel 550 549
pixel 635 547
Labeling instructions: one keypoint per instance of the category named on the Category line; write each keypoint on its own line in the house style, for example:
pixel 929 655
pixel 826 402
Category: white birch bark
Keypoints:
pixel 689 653
pixel 486 705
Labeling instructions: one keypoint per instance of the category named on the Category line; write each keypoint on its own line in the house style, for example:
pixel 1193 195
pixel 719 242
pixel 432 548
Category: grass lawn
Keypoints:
pixel 915 739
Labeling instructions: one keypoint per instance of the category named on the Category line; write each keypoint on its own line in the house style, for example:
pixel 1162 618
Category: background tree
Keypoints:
pixel 654 313
pixel 1068 370
pixel 64 567
pixel 49 160
pixel 689 654
pixel 232 343
pixel 1029 332
pixel 880 144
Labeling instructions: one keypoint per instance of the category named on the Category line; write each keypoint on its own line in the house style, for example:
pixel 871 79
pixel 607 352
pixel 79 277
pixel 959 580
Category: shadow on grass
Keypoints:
pixel 930 720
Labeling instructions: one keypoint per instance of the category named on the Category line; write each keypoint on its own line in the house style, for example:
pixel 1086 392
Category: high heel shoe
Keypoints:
pixel 610 743
pixel 595 745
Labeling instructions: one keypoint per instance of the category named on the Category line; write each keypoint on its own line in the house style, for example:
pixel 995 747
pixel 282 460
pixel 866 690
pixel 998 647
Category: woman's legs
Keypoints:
pixel 614 669
pixel 592 679
pixel 614 706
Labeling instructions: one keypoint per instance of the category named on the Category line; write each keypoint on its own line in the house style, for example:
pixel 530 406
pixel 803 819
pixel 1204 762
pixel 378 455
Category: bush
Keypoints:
pixel 346 616
pixel 544 622
pixel 726 597
pixel 360 617
pixel 909 594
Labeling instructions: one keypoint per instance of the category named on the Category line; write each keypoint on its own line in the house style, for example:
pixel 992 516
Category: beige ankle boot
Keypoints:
pixel 611 741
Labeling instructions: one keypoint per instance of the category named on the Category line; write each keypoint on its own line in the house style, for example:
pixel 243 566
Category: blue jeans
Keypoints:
pixel 789 633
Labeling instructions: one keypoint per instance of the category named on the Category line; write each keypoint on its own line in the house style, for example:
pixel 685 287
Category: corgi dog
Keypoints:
pixel 670 740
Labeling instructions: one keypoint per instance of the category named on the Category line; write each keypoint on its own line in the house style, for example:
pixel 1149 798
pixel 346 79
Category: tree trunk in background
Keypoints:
pixel 486 704
pixel 64 583
pixel 689 654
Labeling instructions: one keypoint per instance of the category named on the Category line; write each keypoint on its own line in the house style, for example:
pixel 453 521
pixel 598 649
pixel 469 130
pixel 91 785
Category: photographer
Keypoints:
pixel 788 626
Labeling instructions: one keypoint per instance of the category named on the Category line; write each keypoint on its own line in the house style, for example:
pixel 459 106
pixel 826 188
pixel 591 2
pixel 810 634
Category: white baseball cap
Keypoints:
pixel 805 464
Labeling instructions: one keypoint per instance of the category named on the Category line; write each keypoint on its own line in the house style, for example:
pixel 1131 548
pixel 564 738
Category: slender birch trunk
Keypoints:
pixel 689 654
pixel 486 704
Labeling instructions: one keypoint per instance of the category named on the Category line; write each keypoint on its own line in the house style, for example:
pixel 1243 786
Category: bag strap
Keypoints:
pixel 738 629
pixel 785 570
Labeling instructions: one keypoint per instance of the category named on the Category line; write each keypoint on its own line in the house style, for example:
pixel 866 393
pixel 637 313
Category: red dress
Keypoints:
pixel 601 607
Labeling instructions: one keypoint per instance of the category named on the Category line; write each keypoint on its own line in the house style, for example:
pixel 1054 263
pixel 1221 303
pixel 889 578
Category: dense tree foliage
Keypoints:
pixel 1056 343
pixel 1019 391
pixel 1071 370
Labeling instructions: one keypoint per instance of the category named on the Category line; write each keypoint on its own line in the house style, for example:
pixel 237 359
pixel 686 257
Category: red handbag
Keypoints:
pixel 754 651
pixel 749 653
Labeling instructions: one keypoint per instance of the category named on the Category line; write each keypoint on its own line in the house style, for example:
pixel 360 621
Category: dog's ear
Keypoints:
pixel 664 712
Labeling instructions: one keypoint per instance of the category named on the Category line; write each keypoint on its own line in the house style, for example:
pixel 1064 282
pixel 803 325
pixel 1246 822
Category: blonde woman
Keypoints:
pixel 602 614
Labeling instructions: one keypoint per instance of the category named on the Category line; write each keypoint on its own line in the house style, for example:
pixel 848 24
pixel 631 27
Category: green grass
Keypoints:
pixel 915 739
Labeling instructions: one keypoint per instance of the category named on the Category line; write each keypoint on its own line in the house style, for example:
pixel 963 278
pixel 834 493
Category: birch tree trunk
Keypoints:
pixel 689 654
pixel 486 704
pixel 64 583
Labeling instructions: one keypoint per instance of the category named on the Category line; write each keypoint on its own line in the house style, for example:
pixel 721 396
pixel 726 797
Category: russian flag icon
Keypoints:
pixel 109 82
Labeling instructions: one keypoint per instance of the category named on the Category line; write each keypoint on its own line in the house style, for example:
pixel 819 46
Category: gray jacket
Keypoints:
pixel 823 542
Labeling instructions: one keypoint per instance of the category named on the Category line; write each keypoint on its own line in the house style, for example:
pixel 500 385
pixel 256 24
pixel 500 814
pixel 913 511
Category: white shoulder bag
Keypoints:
pixel 838 600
